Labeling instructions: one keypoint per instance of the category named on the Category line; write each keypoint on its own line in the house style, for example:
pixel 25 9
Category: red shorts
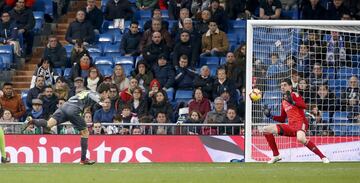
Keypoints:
pixel 290 131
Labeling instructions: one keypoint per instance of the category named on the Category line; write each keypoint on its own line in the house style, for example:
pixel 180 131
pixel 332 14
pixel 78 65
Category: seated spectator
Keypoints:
pixel 314 11
pixel 32 130
pixel 156 15
pixel 242 101
pixel 114 93
pixel 55 52
pixel 194 118
pixel 130 41
pixel 164 73
pixel 233 70
pixel 270 9
pixel 317 125
pixel 303 59
pixel 79 86
pixel 184 76
pixel 68 129
pixel 152 51
pixel 118 9
pixel 138 104
pixel 205 82
pixel 222 83
pixel 155 86
pixel 218 115
pixel 240 57
pixel 337 9
pixel 94 79
pixel 7 117
pixel 195 37
pixel 34 92
pixel 97 129
pixel 127 117
pixel 80 29
pixel 235 9
pixel 61 89
pixel 225 95
pixel 9 33
pixel 78 51
pixel 231 117
pixel 251 8
pixel 294 76
pixel 143 74
pixel 316 45
pixel 146 4
pixel 81 68
pixel 161 118
pixel 127 94
pixel 276 67
pixel 198 6
pixel 94 15
pixel 218 15
pixel 186 46
pixel 49 100
pixel 119 78
pixel 45 70
pixel 137 131
pixel 304 90
pixel 105 114
pixel 203 25
pixel 336 50
pixel 176 6
pixel 325 99
pixel 25 22
pixel 177 26
pixel 199 103
pixel 149 35
pixel 88 117
pixel 214 42
pixel 350 97
pixel 317 77
pixel 161 104
pixel 61 101
pixel 37 110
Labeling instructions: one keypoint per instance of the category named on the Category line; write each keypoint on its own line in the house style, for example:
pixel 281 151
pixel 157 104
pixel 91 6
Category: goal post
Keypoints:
pixel 298 49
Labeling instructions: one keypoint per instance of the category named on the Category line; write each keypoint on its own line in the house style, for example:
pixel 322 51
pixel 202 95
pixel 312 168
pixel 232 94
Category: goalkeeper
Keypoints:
pixel 292 107
pixel 4 158
pixel 70 111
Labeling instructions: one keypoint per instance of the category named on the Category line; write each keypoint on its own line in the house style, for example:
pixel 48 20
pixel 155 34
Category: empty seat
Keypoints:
pixel 67 73
pixel 112 50
pixel 347 72
pixel 232 38
pixel 183 95
pixel 144 14
pixel 209 61
pixel 124 60
pixel 105 66
pixel 341 117
pixel 106 37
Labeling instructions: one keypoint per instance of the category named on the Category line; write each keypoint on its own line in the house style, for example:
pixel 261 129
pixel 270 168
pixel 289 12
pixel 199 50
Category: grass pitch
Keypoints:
pixel 181 172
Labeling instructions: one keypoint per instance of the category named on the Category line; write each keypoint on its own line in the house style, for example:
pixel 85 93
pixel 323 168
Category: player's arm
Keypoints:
pixel 295 99
pixel 95 97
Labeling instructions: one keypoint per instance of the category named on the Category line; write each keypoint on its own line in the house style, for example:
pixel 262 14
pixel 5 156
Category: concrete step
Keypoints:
pixel 23 73
pixel 22 78
pixel 19 90
pixel 21 84
pixel 30 67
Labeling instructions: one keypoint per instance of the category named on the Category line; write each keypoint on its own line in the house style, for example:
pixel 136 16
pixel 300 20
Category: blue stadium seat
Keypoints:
pixel 105 66
pixel 165 14
pixel 353 130
pixel 68 49
pixel 232 38
pixel 67 73
pixel 273 100
pixel 213 69
pixel 347 72
pixel 183 96
pixel 241 35
pixel 112 50
pixel 117 38
pixel 326 117
pixel 58 71
pixel 45 6
pixel 341 117
pixel 95 51
pixel 170 94
pixel 38 15
pixel 103 59
pixel 144 14
pixel 209 61
pixel 339 130
pixel 330 72
pixel 222 60
pixel 2 65
pixel 124 60
pixel 106 37
pixel 6 54
pixel 24 94
pixel 237 24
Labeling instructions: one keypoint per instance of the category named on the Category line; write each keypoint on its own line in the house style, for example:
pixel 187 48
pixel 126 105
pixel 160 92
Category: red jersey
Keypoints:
pixel 294 113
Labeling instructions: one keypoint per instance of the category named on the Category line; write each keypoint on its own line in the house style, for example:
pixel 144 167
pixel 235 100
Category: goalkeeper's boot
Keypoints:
pixel 5 160
pixel 274 159
pixel 325 160
pixel 87 162
pixel 29 121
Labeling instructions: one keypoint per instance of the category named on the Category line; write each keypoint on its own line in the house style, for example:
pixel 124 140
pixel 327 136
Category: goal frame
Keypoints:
pixel 249 63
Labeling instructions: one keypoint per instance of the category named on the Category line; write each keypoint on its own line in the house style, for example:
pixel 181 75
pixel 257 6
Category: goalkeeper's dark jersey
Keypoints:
pixel 83 99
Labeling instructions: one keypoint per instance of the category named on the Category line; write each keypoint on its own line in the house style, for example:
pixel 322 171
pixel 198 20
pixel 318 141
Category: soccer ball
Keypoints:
pixel 255 95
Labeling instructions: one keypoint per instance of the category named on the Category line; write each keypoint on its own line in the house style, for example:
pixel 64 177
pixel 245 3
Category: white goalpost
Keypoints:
pixel 322 58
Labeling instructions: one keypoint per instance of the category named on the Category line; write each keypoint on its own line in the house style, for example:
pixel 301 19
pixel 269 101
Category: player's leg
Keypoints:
pixel 269 132
pixel 4 159
pixel 301 137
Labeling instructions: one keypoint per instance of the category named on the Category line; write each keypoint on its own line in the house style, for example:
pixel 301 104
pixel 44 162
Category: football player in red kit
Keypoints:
pixel 292 107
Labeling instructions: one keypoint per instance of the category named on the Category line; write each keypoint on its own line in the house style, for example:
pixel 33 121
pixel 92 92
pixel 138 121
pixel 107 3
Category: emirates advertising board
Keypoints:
pixel 146 149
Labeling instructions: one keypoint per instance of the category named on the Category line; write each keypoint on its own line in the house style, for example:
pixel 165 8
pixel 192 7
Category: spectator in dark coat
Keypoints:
pixel 251 7
pixel 325 99
pixel 337 10
pixel 222 83
pixel 184 13
pixel 184 77
pixel 78 51
pixel 235 8
pixel 143 74
pixel 151 52
pixel 80 29
pixel 175 7
pixel 130 41
pixel 118 9
pixel 270 9
pixel 314 11
pixel 49 100
pixel 9 33
pixel 203 25
pixel 35 91
pixel 218 15
pixel 350 97
pixel 146 4
pixel 164 72
pixel 156 14
pixel 138 103
pixel 94 15
pixel 24 19
pixel 161 104
pixel 55 52
pixel 148 35
pixel 233 70
pixel 205 82
pixel 231 117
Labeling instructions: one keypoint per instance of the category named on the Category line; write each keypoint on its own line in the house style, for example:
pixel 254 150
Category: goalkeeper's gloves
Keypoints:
pixel 288 98
pixel 267 111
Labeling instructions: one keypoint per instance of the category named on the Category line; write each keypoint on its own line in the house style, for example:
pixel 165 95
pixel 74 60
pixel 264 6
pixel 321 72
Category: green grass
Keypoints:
pixel 181 172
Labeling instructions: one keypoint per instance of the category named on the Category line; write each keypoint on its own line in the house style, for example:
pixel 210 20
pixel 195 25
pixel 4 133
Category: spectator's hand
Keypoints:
pixel 164 88
pixel 267 111
pixel 207 51
pixel 102 104
pixel 21 31
pixel 215 49
pixel 288 98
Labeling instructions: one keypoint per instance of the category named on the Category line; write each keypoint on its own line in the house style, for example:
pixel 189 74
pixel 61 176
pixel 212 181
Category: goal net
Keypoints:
pixel 322 58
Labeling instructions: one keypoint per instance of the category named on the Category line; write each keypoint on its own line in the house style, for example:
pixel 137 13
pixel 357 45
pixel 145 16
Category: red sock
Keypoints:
pixel 271 141
pixel 314 149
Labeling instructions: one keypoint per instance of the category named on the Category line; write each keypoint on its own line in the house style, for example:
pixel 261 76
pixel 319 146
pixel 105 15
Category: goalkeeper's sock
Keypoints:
pixel 314 149
pixel 40 122
pixel 84 147
pixel 2 143
pixel 271 141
